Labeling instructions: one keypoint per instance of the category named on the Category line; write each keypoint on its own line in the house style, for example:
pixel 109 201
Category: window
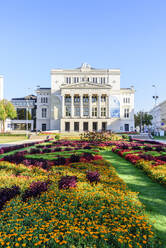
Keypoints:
pixel 103 111
pixel 67 99
pixel 44 100
pixel 126 100
pixel 102 80
pixel 94 80
pixel 76 99
pixel 94 98
pixel 85 111
pixel 94 126
pixel 76 79
pixel 85 126
pixel 103 98
pixel 77 111
pixel 44 112
pixel 104 126
pixel 94 111
pixel 85 99
pixel 67 126
pixel 76 126
pixel 126 113
pixel 68 111
pixel 68 80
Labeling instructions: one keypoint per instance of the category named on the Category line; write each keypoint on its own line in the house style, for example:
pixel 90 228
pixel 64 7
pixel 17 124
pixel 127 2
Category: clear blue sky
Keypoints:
pixel 39 35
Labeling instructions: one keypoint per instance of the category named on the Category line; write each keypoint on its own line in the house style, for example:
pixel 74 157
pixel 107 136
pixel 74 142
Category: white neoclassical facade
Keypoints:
pixel 85 99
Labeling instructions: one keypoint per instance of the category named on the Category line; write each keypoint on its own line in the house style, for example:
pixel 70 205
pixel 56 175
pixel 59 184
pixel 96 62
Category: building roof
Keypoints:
pixel 29 97
pixel 44 88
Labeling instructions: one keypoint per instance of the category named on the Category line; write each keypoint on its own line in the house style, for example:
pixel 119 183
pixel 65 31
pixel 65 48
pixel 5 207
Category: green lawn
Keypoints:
pixel 160 137
pixel 151 194
pixel 8 139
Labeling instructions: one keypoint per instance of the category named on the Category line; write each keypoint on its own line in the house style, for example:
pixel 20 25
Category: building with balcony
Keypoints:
pixel 85 99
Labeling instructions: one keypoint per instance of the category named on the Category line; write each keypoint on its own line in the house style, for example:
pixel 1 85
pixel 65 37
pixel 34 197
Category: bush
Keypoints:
pixel 74 158
pixel 8 193
pixel 93 176
pixel 88 156
pixel 35 189
pixel 59 161
pixel 67 182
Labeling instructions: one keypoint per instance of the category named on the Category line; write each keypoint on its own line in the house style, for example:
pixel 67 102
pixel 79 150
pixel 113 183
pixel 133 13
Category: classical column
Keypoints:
pixel 99 106
pixel 90 106
pixel 81 106
pixel 63 106
pixel 72 105
pixel 108 106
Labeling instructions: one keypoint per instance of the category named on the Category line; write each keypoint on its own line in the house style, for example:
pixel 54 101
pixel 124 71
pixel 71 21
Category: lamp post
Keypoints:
pixel 155 97
pixel 27 109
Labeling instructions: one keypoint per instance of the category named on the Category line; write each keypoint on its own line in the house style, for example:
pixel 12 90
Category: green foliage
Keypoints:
pixel 13 135
pixel 142 119
pixel 99 136
pixel 7 110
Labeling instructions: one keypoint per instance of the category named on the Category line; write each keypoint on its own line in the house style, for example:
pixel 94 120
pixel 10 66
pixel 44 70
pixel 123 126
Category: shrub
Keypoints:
pixel 59 161
pixel 67 182
pixel 35 189
pixel 93 176
pixel 34 151
pixel 8 193
pixel 88 156
pixel 74 158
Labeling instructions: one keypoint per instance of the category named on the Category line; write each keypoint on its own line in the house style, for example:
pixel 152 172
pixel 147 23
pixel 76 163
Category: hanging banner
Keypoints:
pixel 114 107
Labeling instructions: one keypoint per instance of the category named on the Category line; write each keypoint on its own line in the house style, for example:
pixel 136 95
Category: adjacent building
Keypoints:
pixel 85 99
pixel 159 117
pixel 26 113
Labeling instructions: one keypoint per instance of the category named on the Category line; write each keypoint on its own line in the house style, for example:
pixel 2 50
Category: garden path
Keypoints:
pixel 151 194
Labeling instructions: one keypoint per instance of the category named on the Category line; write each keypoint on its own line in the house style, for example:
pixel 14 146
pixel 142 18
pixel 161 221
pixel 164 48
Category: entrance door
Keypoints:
pixel 67 126
pixel 126 127
pixel 43 127
pixel 76 126
pixel 85 126
pixel 104 126
pixel 94 126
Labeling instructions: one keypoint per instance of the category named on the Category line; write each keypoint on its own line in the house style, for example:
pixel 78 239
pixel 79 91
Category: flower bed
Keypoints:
pixel 85 205
pixel 150 157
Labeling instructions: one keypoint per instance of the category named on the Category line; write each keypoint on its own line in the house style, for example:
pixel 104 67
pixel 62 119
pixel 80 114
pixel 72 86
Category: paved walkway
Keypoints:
pixel 18 143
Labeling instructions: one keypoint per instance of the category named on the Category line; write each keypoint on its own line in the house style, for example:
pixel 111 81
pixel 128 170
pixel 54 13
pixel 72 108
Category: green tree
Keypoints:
pixel 142 119
pixel 7 110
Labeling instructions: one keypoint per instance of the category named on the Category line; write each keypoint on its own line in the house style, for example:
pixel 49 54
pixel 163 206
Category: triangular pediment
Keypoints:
pixel 85 85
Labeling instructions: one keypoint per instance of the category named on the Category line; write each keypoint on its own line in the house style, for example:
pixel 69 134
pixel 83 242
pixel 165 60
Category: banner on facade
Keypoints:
pixel 114 107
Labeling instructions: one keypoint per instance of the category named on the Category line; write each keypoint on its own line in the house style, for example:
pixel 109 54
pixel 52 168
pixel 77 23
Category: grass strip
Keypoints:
pixel 151 194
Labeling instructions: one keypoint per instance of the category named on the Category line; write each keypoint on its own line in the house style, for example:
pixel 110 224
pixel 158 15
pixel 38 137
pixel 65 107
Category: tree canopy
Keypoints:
pixel 7 110
pixel 142 119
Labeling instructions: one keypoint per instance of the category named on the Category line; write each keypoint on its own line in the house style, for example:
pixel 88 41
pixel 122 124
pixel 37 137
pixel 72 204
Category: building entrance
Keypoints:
pixel 126 126
pixel 43 127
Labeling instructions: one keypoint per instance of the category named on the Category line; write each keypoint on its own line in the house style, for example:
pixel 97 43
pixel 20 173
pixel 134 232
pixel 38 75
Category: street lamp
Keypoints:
pixel 27 109
pixel 155 97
